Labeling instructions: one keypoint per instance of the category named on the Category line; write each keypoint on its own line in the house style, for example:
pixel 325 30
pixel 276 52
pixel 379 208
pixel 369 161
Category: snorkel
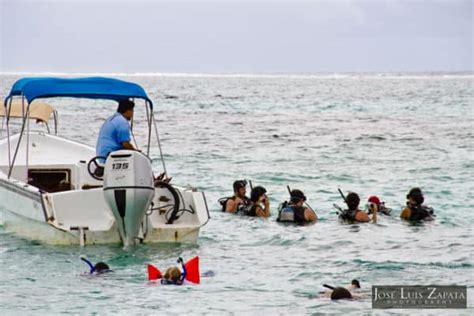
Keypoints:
pixel 340 209
pixel 183 274
pixel 91 266
pixel 343 196
pixel 99 267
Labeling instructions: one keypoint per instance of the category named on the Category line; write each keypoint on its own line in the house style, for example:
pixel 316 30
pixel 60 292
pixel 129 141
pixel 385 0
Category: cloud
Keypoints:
pixel 228 36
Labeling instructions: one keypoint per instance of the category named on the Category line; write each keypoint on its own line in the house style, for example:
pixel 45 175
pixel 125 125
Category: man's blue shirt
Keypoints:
pixel 113 132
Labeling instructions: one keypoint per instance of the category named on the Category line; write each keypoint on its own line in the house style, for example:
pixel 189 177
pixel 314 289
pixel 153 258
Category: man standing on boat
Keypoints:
pixel 115 132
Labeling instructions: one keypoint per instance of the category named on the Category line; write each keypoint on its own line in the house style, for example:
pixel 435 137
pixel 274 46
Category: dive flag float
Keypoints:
pixel 190 271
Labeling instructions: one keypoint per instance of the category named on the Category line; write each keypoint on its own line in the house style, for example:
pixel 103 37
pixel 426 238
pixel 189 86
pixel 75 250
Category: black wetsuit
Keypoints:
pixel 420 212
pixel 250 209
pixel 223 202
pixel 349 215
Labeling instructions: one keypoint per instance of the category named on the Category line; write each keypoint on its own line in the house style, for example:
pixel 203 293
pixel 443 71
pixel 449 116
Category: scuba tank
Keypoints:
pixel 285 213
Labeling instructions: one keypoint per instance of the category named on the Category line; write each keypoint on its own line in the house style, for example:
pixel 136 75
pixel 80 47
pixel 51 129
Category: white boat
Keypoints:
pixel 49 190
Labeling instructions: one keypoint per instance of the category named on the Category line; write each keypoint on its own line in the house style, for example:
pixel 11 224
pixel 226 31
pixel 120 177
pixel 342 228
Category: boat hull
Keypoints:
pixel 19 215
pixel 54 199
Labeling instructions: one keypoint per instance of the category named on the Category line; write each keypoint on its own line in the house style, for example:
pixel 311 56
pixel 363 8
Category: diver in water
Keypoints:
pixel 374 204
pixel 337 293
pixel 259 205
pixel 295 211
pixel 232 204
pixel 173 275
pixel 415 210
pixel 98 268
pixel 353 213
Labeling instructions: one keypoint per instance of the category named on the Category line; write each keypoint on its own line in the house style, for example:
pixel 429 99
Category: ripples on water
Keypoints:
pixel 367 133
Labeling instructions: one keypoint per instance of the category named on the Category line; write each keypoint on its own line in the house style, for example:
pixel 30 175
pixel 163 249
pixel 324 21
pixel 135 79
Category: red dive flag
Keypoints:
pixel 153 273
pixel 192 270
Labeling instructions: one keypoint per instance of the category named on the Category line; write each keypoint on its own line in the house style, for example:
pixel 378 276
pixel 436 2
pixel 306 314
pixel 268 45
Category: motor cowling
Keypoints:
pixel 128 190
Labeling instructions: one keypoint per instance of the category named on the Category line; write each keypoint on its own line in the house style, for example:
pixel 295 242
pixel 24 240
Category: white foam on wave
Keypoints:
pixel 352 75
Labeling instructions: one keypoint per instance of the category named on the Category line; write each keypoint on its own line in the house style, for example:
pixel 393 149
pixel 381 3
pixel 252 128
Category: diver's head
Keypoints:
pixel 172 274
pixel 340 293
pixel 297 196
pixel 374 203
pixel 240 188
pixel 415 196
pixel 101 267
pixel 355 284
pixel 352 201
pixel 257 194
pixel 125 107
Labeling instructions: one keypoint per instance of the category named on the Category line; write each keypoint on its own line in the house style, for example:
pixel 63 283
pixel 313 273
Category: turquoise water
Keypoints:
pixel 368 133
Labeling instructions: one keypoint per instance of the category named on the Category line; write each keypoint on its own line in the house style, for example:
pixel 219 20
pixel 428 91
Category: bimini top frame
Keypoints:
pixel 33 88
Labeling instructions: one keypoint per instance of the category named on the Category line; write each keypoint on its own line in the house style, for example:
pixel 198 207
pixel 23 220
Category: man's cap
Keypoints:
pixel 374 199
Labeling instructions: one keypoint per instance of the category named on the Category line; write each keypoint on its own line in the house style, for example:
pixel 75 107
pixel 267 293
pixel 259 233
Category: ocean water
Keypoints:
pixel 376 134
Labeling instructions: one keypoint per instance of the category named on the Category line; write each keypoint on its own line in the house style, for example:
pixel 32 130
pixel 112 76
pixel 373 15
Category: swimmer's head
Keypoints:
pixel 101 267
pixel 352 201
pixel 340 293
pixel 297 196
pixel 416 196
pixel 172 274
pixel 257 193
pixel 239 184
pixel 355 283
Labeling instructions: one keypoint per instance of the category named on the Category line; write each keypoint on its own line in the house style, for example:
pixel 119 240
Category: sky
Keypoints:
pixel 236 36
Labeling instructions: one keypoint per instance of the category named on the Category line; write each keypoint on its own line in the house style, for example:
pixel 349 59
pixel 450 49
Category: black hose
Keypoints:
pixel 174 213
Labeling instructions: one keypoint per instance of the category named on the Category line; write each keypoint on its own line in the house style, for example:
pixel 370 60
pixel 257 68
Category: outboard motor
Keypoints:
pixel 128 190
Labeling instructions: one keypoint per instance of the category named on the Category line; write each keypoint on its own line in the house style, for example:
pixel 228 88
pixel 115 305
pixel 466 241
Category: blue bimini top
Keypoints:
pixel 90 87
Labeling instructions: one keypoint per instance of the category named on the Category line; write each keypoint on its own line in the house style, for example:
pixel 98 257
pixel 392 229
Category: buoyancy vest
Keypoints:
pixel 420 212
pixel 288 212
pixel 223 202
pixel 348 215
pixel 249 209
